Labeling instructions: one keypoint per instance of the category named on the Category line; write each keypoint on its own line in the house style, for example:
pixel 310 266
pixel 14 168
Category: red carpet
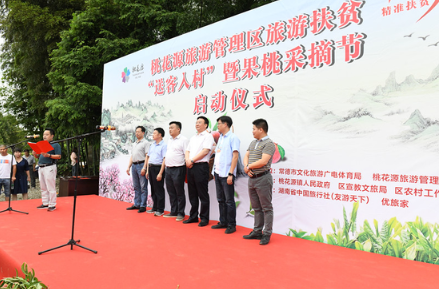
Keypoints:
pixel 143 251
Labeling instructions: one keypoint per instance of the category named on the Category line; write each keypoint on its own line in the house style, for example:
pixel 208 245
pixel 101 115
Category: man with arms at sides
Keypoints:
pixel 257 164
pixel 137 165
pixel 155 171
pixel 224 170
pixel 176 171
pixel 31 161
pixel 47 172
pixel 5 171
pixel 197 162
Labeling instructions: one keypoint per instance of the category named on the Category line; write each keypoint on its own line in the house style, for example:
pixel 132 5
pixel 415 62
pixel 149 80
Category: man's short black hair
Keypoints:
pixel 142 128
pixel 177 123
pixel 206 121
pixel 26 150
pixel 52 132
pixel 17 150
pixel 226 119
pixel 261 123
pixel 160 131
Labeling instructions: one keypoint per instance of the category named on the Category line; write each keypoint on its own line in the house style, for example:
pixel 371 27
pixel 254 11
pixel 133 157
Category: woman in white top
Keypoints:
pixel 75 165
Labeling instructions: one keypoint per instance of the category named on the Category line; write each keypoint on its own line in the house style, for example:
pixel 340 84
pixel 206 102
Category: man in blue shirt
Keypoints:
pixel 47 172
pixel 155 171
pixel 224 170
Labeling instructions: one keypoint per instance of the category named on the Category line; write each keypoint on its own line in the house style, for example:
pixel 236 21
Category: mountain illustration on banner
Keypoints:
pixel 41 146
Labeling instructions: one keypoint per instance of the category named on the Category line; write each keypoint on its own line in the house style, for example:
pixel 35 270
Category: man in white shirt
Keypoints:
pixel 5 171
pixel 176 171
pixel 197 162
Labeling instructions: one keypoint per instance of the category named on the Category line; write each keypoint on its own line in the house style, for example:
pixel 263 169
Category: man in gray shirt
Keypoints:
pixel 31 161
pixel 257 165
pixel 137 166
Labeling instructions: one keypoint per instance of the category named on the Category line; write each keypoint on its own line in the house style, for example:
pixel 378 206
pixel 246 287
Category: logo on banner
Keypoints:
pixel 125 75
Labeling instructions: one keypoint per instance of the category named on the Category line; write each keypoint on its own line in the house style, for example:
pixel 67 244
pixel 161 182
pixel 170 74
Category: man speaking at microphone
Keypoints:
pixel 47 172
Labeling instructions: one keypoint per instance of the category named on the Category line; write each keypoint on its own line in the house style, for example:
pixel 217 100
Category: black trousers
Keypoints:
pixel 157 189
pixel 197 180
pixel 175 177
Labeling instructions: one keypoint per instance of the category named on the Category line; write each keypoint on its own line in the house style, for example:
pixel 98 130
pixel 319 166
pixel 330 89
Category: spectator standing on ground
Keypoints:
pixel 5 171
pixel 74 162
pixel 20 175
pixel 31 162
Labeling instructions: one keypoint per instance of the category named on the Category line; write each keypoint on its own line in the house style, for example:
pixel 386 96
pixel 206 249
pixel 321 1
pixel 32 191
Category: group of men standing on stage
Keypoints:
pixel 182 159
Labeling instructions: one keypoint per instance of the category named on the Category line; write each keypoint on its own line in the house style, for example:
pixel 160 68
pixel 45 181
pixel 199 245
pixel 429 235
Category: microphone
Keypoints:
pixel 33 136
pixel 108 127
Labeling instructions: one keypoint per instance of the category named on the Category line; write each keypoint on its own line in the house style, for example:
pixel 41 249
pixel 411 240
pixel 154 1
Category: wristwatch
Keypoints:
pixel 230 174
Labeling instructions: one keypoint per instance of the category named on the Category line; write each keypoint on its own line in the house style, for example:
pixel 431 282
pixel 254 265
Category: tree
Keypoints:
pixel 10 131
pixel 31 30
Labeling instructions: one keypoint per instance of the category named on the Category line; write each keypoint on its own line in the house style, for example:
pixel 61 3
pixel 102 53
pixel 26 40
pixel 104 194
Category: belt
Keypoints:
pixel 45 165
pixel 136 163
pixel 260 175
pixel 200 163
pixel 153 165
pixel 176 167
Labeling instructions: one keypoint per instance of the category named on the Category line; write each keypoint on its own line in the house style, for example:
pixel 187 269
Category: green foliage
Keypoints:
pixel 416 240
pixel 28 282
pixel 10 132
pixel 31 30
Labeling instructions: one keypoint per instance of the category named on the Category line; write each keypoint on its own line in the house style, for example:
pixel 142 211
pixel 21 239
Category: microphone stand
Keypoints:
pixel 9 209
pixel 72 242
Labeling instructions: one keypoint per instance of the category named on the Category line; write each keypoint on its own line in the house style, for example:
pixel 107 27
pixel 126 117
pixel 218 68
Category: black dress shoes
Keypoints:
pixel 230 229
pixel 265 240
pixel 203 223
pixel 133 208
pixel 188 221
pixel 142 210
pixel 219 226
pixel 254 236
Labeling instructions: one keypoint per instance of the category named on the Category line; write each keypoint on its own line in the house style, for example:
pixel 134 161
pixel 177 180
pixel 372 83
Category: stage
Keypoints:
pixel 142 251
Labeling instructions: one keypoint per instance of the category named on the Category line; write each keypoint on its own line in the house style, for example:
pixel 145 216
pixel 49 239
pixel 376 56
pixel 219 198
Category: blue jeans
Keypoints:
pixel 75 169
pixel 140 184
pixel 225 195
pixel 6 183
